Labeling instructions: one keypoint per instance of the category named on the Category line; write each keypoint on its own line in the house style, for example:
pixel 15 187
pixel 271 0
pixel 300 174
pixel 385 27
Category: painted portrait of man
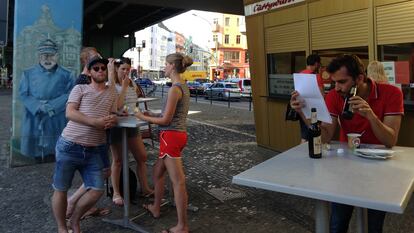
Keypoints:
pixel 43 91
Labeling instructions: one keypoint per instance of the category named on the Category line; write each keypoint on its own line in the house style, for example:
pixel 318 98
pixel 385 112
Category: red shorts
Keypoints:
pixel 172 143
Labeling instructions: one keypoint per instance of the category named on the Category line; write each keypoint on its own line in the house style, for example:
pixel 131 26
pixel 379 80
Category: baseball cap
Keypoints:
pixel 96 59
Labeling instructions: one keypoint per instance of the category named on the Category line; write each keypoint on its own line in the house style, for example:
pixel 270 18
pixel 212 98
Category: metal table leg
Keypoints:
pixel 125 221
pixel 362 220
pixel 321 216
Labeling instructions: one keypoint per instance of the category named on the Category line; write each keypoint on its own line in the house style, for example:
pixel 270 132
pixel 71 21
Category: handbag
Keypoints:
pixel 291 114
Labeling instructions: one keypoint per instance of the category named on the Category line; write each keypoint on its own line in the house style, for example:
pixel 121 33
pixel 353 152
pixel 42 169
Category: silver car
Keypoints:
pixel 223 90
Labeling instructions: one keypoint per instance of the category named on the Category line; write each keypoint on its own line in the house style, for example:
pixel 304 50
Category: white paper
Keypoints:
pixel 309 91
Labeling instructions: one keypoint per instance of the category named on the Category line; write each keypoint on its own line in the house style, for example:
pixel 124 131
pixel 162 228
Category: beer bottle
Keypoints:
pixel 314 137
pixel 348 112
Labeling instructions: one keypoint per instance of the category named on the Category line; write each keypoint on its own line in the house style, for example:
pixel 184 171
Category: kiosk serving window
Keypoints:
pixel 280 68
pixel 398 61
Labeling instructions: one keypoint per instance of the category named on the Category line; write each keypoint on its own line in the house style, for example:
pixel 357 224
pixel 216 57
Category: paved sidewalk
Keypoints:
pixel 221 144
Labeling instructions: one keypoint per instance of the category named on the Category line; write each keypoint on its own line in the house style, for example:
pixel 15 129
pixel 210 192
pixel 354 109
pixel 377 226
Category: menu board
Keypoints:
pixel 280 84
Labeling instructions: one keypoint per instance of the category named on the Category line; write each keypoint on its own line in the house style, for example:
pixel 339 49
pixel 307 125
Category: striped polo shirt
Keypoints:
pixel 94 104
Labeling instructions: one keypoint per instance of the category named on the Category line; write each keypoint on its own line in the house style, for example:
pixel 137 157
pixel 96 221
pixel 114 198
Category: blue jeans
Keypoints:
pixel 71 157
pixel 341 215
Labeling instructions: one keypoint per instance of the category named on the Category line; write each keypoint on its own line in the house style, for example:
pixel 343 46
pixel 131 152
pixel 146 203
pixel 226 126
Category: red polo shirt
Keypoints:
pixel 384 99
pixel 318 77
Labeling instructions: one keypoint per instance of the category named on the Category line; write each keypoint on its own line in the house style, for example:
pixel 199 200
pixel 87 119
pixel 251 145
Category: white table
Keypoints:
pixel 124 123
pixel 341 178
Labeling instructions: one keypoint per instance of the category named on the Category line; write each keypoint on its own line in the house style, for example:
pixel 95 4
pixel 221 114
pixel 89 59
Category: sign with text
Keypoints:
pixel 267 5
pixel 281 84
pixel 389 68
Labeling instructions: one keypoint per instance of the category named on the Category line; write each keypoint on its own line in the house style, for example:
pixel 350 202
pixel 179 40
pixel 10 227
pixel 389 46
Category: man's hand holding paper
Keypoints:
pixel 307 95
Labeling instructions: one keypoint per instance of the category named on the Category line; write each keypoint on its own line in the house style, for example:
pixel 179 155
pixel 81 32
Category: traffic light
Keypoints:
pixel 191 49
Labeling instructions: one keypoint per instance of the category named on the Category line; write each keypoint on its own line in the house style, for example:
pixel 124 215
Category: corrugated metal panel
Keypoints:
pixel 395 23
pixel 286 38
pixel 340 31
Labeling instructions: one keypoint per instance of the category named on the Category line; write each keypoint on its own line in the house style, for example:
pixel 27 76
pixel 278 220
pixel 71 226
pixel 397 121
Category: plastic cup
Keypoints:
pixel 354 140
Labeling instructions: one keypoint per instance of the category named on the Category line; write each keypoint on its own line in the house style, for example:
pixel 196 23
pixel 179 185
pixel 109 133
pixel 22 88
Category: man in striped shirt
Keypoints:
pixel 82 143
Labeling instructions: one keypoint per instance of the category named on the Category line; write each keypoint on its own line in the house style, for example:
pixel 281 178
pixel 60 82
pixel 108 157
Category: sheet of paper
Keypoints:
pixel 307 86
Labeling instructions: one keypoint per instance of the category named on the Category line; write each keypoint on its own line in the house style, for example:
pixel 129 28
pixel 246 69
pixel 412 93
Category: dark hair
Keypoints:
pixel 352 64
pixel 122 60
pixel 180 61
pixel 312 59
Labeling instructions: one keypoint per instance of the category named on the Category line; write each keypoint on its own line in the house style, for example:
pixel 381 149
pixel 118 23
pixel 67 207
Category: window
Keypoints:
pixel 215 20
pixel 226 39
pixel 281 66
pixel 246 57
pixel 227 21
pixel 238 22
pixel 231 56
pixel 238 39
pixel 398 63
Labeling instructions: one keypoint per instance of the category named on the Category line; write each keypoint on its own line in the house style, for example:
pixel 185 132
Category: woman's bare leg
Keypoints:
pixel 137 148
pixel 176 172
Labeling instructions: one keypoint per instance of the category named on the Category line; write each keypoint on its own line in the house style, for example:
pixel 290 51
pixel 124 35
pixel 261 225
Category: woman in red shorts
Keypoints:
pixel 173 138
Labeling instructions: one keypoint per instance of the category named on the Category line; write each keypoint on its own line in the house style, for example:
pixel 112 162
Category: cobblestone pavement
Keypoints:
pixel 221 144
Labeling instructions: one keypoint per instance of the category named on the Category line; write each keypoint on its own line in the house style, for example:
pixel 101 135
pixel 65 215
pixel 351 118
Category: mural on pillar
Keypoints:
pixel 47 39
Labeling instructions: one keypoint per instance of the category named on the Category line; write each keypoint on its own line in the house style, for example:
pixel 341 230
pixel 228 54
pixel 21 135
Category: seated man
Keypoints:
pixel 378 110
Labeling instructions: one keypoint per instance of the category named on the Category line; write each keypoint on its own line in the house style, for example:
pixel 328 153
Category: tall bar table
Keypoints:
pixel 124 123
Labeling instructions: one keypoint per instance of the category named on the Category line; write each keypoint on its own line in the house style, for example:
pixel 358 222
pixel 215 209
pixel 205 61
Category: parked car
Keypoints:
pixel 223 90
pixel 206 85
pixel 144 82
pixel 195 88
pixel 244 85
pixel 201 80
pixel 161 81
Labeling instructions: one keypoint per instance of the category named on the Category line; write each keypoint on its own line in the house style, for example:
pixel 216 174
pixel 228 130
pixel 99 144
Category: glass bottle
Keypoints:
pixel 348 112
pixel 314 137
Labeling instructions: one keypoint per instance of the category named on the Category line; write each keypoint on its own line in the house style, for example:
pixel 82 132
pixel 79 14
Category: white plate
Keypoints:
pixel 374 151
pixel 369 153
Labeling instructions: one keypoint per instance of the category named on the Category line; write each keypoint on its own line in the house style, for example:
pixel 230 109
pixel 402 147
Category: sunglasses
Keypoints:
pixel 97 68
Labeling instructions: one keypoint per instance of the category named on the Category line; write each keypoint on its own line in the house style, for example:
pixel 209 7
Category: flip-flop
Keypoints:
pixel 167 231
pixel 146 208
pixel 147 195
pixel 96 212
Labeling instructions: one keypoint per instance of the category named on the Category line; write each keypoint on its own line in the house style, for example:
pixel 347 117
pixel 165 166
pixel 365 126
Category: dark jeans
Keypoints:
pixel 341 215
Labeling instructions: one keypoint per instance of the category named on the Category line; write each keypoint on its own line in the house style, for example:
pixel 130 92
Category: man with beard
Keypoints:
pixel 44 90
pixel 83 143
pixel 378 109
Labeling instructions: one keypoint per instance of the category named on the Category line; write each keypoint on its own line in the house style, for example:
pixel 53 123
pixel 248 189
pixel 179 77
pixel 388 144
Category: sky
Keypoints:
pixel 195 26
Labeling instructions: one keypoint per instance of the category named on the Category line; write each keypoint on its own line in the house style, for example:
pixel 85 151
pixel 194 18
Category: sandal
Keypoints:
pixel 147 195
pixel 96 212
pixel 118 200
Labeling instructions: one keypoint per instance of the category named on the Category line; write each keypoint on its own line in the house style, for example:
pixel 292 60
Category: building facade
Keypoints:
pixel 229 47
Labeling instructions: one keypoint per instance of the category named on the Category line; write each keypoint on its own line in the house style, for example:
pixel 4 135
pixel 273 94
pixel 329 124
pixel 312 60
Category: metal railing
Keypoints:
pixel 211 97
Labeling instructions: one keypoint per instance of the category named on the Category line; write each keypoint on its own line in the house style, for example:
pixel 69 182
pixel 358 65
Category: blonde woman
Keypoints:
pixel 375 70
pixel 119 70
pixel 173 138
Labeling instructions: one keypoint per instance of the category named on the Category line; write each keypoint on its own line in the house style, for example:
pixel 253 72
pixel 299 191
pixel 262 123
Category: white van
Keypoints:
pixel 246 87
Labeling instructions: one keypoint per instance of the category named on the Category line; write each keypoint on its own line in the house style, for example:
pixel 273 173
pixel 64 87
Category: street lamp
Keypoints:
pixel 215 42
pixel 139 48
